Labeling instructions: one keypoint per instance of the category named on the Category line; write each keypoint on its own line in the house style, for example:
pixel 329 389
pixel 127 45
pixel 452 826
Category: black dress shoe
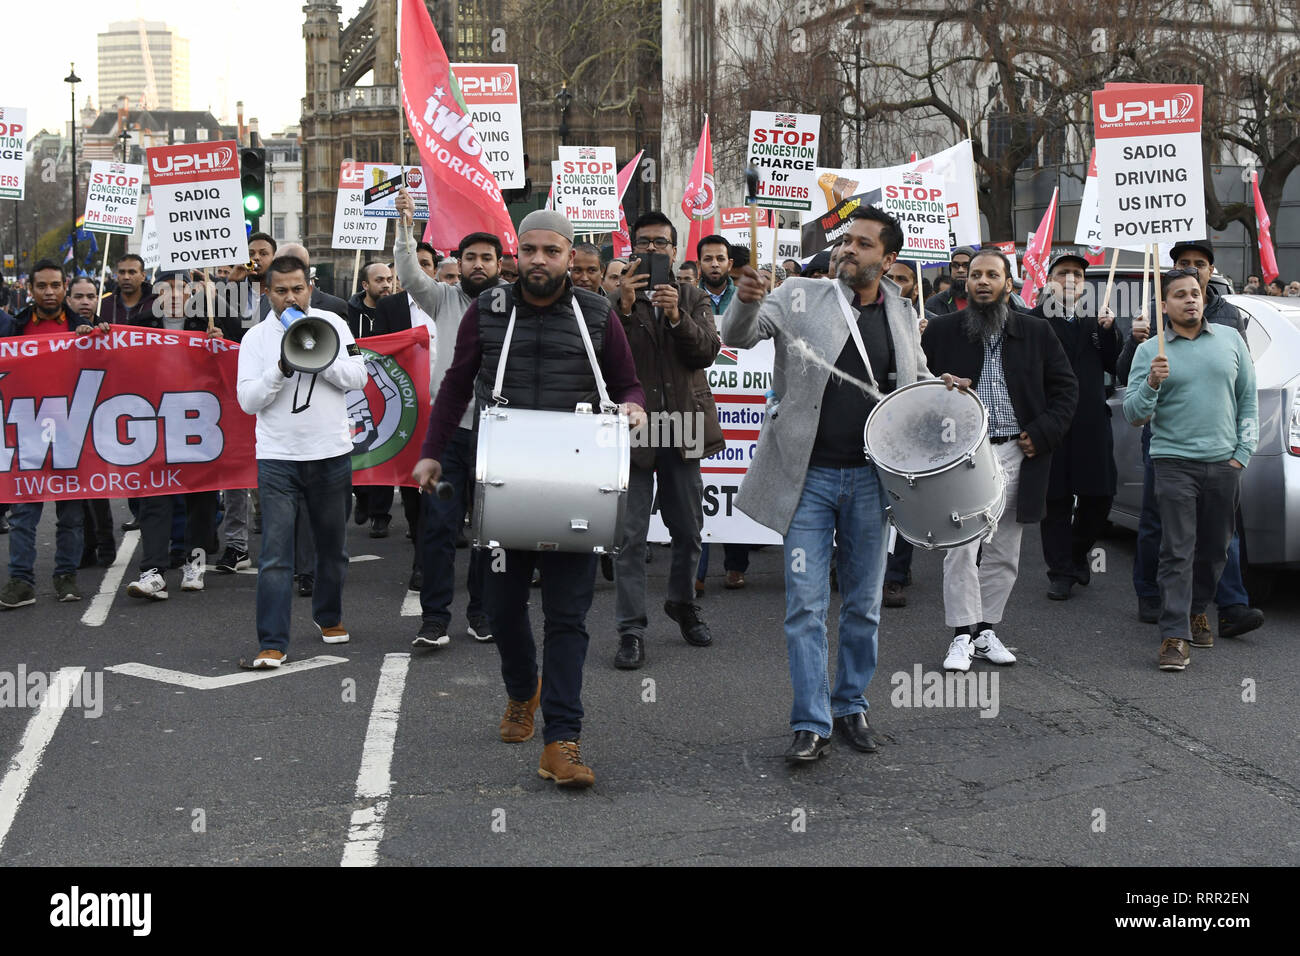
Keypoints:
pixel 856 729
pixel 631 652
pixel 806 746
pixel 1083 573
pixel 687 616
pixel 379 527
pixel 1059 589
pixel 132 525
pixel 1238 619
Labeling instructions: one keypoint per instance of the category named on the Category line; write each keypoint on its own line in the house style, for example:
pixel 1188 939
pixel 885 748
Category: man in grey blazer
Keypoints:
pixel 810 477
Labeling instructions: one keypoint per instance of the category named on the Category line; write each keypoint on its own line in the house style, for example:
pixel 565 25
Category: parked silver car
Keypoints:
pixel 1270 490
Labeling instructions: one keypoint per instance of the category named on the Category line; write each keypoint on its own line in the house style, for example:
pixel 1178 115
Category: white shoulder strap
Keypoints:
pixel 853 331
pixel 605 404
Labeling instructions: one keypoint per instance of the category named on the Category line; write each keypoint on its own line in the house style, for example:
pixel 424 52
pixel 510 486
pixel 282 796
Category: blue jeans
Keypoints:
pixel 325 487
pixel 440 524
pixel 1231 588
pixel 849 501
pixel 23 519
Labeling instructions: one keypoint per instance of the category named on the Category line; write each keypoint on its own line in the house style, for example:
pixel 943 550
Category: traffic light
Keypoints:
pixel 252 171
pixel 519 195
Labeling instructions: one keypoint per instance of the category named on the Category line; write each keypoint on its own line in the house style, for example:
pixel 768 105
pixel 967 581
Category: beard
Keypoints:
pixel 860 276
pixel 475 288
pixel 983 321
pixel 958 288
pixel 543 288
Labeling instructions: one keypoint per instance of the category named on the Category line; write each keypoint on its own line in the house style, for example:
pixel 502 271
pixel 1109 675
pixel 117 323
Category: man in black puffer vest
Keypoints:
pixel 548 369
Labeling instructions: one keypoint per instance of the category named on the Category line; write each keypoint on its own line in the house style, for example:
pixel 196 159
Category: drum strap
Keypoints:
pixel 851 319
pixel 605 404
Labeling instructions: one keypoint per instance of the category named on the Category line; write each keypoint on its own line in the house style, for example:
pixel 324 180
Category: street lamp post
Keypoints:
pixel 72 80
pixel 564 98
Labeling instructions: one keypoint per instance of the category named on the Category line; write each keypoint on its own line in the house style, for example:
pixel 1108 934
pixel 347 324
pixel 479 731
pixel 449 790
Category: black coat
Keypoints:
pixel 1043 390
pixel 1084 464
pixel 393 314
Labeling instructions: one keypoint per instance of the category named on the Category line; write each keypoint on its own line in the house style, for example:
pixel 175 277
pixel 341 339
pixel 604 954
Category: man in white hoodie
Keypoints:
pixel 304 452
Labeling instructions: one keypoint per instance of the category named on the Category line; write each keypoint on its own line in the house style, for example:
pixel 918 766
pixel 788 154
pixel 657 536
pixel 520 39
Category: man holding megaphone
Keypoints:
pixel 295 369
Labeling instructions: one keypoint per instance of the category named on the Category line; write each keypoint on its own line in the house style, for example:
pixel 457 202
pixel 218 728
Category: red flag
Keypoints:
pixel 467 195
pixel 1267 257
pixel 1037 254
pixel 699 202
pixel 621 237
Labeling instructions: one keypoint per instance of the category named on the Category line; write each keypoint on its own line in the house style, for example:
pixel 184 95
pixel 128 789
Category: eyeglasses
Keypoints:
pixel 660 244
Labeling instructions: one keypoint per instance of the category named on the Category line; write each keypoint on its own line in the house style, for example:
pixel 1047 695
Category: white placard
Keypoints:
pixel 149 237
pixel 376 174
pixel 352 228
pixel 198 205
pixel 113 197
pixel 587 188
pixel 491 94
pixel 13 151
pixel 784 148
pixel 740 379
pixel 1149 164
pixel 916 200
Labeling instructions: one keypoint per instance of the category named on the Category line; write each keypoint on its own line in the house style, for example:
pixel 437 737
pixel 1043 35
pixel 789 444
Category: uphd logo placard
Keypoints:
pixel 1171 109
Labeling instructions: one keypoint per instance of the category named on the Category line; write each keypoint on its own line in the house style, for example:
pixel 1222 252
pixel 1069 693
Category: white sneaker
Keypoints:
pixel 191 576
pixel 151 585
pixel 991 649
pixel 959 654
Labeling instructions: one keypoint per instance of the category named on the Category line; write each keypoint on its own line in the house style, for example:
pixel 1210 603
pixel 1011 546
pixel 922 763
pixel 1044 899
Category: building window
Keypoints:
pixel 277 227
pixel 277 187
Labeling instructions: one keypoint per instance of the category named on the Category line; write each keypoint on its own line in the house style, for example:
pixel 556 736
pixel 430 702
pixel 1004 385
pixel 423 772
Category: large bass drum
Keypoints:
pixel 551 481
pixel 931 450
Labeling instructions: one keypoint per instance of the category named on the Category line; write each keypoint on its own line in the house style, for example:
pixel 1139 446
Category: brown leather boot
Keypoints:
pixel 517 724
pixel 562 762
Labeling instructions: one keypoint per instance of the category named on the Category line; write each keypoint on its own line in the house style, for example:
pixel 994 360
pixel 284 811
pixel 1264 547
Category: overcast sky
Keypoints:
pixel 225 39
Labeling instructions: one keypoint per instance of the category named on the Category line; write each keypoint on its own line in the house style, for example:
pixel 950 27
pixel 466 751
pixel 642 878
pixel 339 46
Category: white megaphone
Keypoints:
pixel 310 344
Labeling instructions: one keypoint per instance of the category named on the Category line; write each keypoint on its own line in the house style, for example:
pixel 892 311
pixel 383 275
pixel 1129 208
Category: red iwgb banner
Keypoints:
pixel 1038 252
pixel 464 196
pixel 139 412
pixel 1267 257
pixel 699 201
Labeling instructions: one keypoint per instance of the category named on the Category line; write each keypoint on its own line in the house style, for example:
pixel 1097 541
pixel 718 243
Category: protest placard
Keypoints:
pixel 783 146
pixel 380 182
pixel 1150 183
pixel 13 151
pixel 916 201
pixel 352 228
pixel 587 188
pixel 491 94
pixel 113 197
pixel 198 205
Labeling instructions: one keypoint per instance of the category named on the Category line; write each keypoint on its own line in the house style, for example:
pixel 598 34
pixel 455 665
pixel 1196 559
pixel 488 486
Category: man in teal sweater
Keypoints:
pixel 1204 413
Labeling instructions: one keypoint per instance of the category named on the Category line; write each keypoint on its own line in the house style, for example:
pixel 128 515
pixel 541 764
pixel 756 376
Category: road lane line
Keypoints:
pixel 374 780
pixel 199 682
pixel 102 602
pixel 411 604
pixel 37 736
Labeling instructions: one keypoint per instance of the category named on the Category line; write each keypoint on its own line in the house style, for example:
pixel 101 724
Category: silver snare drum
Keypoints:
pixel 931 450
pixel 551 481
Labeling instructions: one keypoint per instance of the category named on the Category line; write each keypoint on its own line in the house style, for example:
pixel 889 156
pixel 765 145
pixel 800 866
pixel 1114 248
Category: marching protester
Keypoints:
pixel 1199 399
pixel 716 270
pixel 792 267
pixel 440 521
pixel 671 332
pixel 1015 364
pixel 449 271
pixel 818 266
pixel 1083 466
pixel 82 296
pixel 555 374
pixel 689 272
pixel 810 481
pixel 134 296
pixel 373 501
pixel 954 297
pixel 510 269
pixel 47 314
pixel 304 453
pixel 586 267
pixel 1236 616
pixel 99 546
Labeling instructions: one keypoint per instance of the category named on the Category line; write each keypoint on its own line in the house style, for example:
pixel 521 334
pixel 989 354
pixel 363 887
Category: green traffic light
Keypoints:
pixel 252 204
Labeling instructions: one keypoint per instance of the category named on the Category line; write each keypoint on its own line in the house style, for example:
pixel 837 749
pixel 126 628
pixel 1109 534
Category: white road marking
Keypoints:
pixel 374 780
pixel 102 602
pixel 411 604
pixel 197 682
pixel 37 736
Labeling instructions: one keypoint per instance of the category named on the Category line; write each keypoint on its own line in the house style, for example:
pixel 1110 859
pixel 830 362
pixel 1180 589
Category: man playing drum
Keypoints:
pixel 1017 367
pixel 548 369
pixel 810 478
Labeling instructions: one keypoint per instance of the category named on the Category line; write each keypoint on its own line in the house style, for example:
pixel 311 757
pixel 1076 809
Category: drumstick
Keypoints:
pixel 751 199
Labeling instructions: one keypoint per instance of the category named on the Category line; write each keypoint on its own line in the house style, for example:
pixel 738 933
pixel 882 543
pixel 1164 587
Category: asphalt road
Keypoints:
pixel 1093 756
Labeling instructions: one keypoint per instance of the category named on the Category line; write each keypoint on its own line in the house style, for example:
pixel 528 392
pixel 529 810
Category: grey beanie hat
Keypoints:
pixel 547 219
